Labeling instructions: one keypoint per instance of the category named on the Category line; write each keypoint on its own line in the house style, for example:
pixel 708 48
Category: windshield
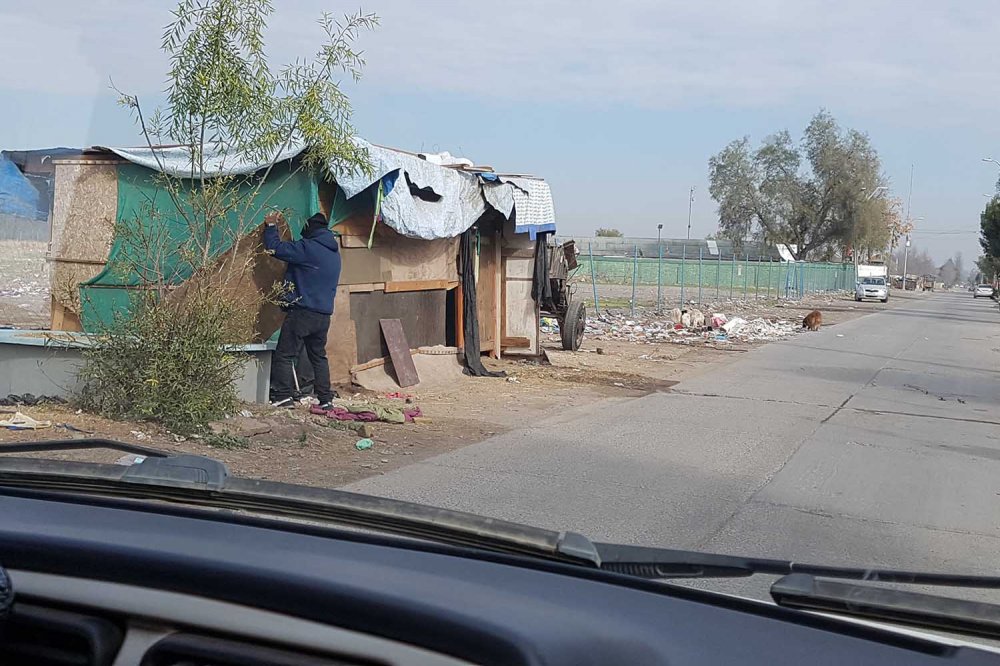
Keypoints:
pixel 421 252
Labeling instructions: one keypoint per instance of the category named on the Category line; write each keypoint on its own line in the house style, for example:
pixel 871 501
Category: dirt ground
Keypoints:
pixel 24 284
pixel 296 446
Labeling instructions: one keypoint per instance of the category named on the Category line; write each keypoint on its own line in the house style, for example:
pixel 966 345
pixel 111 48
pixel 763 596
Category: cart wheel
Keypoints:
pixel 573 325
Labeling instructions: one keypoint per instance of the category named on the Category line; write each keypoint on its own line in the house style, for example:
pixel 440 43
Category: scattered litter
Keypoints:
pixel 73 428
pixel 619 384
pixel 246 413
pixel 398 395
pixel 309 400
pixel 30 400
pixel 840 335
pixel 130 459
pixel 363 444
pixel 24 422
pixel 513 380
pixel 734 325
pixel 139 435
pixel 369 411
pixel 686 326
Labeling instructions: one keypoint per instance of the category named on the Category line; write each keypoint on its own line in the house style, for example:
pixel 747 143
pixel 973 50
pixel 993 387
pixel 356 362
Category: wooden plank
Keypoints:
pixel 365 286
pixel 422 313
pixel 486 296
pixel 399 352
pixel 419 285
pixel 355 242
pixel 498 290
pixel 516 342
pixel 57 312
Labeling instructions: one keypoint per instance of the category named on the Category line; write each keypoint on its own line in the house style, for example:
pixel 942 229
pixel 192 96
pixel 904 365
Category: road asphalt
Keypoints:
pixel 875 442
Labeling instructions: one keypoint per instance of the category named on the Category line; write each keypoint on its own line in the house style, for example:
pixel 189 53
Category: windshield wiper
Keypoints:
pixel 926 611
pixel 664 563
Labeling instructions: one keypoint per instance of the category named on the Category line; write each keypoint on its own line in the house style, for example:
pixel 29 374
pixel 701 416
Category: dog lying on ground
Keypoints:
pixel 813 320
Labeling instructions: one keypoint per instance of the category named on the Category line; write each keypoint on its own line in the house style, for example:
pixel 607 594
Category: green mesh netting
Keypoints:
pixel 157 231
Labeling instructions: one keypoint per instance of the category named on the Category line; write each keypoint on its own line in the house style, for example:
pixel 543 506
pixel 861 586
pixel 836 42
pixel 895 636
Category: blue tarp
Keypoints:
pixel 17 195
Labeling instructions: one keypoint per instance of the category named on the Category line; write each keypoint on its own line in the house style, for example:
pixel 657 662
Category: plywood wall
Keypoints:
pixel 83 219
pixel 245 272
pixel 393 257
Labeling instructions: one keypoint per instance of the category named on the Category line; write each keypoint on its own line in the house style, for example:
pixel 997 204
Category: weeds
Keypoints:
pixel 167 363
pixel 227 441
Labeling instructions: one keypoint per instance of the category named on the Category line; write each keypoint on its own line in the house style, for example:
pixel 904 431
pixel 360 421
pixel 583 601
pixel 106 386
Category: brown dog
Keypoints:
pixel 813 320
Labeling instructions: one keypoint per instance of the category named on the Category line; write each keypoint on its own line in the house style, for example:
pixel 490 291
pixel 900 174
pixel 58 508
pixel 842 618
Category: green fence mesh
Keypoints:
pixel 156 230
pixel 725 276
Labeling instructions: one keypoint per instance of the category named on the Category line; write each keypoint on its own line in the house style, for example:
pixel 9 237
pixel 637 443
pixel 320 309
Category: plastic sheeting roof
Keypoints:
pixel 421 199
pixel 17 195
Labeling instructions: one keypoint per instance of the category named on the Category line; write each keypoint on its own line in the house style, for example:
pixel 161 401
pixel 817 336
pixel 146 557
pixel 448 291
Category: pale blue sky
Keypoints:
pixel 619 105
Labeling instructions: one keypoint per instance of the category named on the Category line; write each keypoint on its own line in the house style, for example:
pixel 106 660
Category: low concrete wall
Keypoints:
pixel 47 363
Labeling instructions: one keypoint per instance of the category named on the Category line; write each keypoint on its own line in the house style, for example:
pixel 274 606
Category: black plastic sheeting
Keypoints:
pixel 541 286
pixel 470 311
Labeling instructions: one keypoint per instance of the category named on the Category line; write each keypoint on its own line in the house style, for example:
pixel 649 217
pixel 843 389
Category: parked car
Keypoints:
pixel 983 290
pixel 872 287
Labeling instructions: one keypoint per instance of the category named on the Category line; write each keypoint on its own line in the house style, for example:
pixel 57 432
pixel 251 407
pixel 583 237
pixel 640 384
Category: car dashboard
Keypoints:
pixel 109 582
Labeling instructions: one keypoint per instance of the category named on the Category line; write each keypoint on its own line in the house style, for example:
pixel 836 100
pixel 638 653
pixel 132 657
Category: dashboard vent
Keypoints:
pixel 39 636
pixel 196 650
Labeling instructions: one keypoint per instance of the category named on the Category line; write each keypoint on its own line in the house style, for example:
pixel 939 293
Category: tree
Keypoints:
pixel 918 261
pixel 989 229
pixel 988 268
pixel 959 262
pixel 608 233
pixel 812 196
pixel 948 273
pixel 167 359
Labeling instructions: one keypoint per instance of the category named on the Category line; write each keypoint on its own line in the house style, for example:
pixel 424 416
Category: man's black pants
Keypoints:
pixel 308 329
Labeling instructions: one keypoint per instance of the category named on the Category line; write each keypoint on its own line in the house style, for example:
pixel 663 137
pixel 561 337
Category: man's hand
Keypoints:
pixel 272 218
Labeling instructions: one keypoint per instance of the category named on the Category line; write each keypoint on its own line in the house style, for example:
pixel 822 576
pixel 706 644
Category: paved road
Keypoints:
pixel 873 442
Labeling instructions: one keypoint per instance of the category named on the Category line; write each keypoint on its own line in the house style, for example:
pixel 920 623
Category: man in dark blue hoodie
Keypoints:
pixel 310 286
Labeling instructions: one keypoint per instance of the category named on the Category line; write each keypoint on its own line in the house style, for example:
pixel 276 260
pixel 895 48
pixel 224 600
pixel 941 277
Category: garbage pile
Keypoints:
pixel 678 326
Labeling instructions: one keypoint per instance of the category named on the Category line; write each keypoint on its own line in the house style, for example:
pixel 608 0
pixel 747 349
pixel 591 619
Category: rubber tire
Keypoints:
pixel 885 300
pixel 858 299
pixel 573 326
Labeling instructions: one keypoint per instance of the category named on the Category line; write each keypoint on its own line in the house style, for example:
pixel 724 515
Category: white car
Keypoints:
pixel 872 287
pixel 983 290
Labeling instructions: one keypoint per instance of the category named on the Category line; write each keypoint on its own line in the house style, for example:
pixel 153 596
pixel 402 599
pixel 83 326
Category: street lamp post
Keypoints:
pixel 690 203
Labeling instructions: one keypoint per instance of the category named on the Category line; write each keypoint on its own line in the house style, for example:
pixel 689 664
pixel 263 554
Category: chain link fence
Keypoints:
pixel 709 279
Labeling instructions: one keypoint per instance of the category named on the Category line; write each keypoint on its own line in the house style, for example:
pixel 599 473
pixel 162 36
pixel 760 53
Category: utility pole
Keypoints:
pixel 906 254
pixel 690 203
pixel 909 197
pixel 659 267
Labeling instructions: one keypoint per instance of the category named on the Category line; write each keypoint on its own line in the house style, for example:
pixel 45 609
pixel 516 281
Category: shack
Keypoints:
pixel 400 228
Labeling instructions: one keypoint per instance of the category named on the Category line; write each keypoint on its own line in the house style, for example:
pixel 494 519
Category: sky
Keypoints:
pixel 617 105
